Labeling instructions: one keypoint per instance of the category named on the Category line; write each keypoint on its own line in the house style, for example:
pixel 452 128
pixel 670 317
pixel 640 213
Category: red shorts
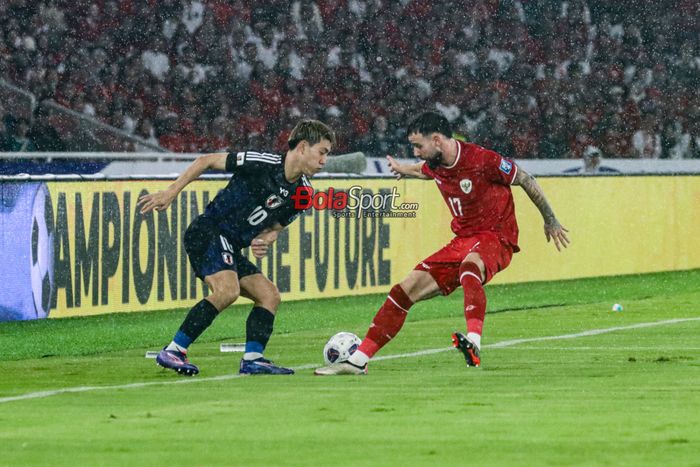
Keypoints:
pixel 444 264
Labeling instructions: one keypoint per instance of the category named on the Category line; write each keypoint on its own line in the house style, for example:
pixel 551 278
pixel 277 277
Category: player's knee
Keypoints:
pixel 419 285
pixel 272 299
pixel 472 267
pixel 475 258
pixel 408 286
pixel 265 295
pixel 227 296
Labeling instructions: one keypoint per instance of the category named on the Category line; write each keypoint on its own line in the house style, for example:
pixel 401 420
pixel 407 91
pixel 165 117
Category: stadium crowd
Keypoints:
pixel 529 78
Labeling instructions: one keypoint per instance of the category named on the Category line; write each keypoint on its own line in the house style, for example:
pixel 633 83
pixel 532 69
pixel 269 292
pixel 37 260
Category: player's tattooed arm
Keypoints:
pixel 405 170
pixel 161 200
pixel 553 230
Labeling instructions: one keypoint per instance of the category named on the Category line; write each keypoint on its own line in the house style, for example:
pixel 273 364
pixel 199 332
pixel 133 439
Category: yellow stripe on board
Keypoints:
pixel 109 258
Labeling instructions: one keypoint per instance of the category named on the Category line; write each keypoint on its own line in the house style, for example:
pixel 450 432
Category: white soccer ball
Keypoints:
pixel 340 347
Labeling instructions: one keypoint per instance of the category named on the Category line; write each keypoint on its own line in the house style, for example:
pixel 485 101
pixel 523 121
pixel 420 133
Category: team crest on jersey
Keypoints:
pixel 228 258
pixel 273 202
pixel 506 166
pixel 466 185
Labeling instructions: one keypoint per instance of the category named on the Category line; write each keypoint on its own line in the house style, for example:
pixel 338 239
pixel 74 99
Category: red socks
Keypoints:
pixel 390 318
pixel 387 322
pixel 474 297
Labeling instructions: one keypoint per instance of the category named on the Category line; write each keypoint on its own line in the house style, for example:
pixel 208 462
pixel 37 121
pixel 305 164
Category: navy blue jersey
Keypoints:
pixel 257 197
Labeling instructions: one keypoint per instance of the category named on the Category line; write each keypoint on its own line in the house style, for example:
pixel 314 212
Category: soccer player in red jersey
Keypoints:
pixel 475 183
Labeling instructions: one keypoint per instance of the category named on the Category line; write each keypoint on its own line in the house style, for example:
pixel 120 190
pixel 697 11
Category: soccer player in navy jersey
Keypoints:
pixel 249 212
pixel 475 184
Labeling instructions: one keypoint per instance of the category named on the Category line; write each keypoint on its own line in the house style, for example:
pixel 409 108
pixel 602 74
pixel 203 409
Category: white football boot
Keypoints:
pixel 342 368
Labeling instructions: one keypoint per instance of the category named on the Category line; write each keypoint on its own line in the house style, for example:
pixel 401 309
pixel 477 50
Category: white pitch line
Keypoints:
pixel 615 349
pixel 592 332
pixel 497 345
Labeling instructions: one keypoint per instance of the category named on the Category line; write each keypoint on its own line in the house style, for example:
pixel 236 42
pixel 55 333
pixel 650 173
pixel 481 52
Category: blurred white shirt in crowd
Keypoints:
pixel 193 16
pixel 646 145
pixel 157 63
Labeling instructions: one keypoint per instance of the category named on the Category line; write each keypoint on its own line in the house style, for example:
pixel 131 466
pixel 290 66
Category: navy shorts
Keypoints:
pixel 210 251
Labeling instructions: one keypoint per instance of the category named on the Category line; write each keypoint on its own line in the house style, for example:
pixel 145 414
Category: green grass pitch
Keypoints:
pixel 626 393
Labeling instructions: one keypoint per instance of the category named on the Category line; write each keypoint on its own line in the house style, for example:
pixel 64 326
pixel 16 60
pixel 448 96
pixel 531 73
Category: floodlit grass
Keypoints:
pixel 628 397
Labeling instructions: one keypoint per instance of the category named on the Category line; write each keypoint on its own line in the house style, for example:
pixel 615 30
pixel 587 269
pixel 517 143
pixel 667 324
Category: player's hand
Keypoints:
pixel 395 167
pixel 259 247
pixel 557 232
pixel 261 244
pixel 156 201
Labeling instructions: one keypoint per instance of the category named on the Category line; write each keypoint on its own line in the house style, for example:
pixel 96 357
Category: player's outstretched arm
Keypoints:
pixel 553 230
pixel 162 199
pixel 405 170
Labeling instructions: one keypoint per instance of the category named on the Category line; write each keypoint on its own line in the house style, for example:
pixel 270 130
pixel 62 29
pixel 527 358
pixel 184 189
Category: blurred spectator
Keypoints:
pixel 378 142
pixel 695 138
pixel 155 60
pixel 146 132
pixel 307 19
pixel 43 134
pixel 553 144
pixel 192 15
pixel 17 139
pixel 646 142
pixel 675 141
pixel 219 137
pixel 614 137
pixel 592 159
pixel 3 129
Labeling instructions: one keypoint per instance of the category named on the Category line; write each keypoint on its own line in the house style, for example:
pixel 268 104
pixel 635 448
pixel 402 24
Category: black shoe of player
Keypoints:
pixel 176 361
pixel 467 347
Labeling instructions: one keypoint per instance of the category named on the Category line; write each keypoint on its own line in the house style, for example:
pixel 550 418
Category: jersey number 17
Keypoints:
pixel 456 206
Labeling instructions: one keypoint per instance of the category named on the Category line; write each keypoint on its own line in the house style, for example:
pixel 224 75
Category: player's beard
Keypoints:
pixel 434 163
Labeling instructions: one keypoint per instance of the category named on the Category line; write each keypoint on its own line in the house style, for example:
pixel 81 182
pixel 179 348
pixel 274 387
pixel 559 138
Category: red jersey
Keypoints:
pixel 476 188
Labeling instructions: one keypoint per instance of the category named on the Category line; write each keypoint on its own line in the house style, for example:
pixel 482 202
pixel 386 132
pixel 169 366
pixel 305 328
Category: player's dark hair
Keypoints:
pixel 430 122
pixel 312 131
